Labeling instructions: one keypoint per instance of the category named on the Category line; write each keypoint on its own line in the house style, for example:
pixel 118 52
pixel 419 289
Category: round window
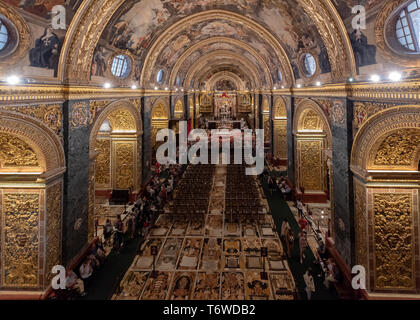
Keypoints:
pixel 121 66
pixel 408 27
pixel 309 65
pixel 4 35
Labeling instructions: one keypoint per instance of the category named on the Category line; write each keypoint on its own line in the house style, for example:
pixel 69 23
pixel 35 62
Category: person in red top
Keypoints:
pixel 303 223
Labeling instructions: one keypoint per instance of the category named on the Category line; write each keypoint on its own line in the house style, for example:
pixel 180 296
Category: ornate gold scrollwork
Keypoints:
pixel 381 36
pixel 24 38
pixel 15 152
pixel 20 239
pixel 394 241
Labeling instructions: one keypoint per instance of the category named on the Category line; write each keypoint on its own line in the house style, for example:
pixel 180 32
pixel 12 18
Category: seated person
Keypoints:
pixel 74 283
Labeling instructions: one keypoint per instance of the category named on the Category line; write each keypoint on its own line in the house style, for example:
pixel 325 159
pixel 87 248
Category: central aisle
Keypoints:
pixel 210 257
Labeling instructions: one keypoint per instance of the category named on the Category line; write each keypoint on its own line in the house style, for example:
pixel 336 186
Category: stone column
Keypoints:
pixel 76 179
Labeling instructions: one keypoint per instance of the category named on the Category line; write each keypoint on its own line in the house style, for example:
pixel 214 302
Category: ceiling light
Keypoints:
pixel 166 88
pixel 318 83
pixel 299 85
pixel 13 80
pixel 275 88
pixel 134 87
pixel 375 78
pixel 395 76
pixel 282 87
pixel 107 85
pixel 351 79
pixel 156 88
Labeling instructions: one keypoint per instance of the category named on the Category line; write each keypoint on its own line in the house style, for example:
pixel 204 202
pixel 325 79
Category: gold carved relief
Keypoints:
pixel 160 112
pixel 95 109
pixel 103 162
pixel 15 152
pixel 311 121
pixel 79 115
pixel 360 221
pixel 179 109
pixel 20 239
pixel 280 139
pixel 310 165
pixel 50 115
pixel 122 120
pixel 24 37
pixel 394 241
pixel 124 165
pixel 399 148
pixel 53 229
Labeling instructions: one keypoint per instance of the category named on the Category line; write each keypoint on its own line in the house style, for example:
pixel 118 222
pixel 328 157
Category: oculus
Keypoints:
pixel 309 64
pixel 408 27
pixel 121 66
pixel 8 37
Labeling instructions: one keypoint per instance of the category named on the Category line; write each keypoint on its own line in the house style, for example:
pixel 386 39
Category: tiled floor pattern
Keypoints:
pixel 209 258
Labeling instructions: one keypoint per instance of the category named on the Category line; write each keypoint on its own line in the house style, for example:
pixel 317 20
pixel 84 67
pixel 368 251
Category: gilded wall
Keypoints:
pixel 392 217
pixel 124 164
pixel 310 165
pixel 20 238
pixel 280 138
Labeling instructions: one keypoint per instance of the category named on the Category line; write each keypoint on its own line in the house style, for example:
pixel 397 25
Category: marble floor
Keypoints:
pixel 209 258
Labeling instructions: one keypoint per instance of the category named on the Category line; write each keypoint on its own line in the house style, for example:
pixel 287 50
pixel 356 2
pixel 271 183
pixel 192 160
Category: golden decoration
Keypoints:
pixel 96 107
pixel 381 32
pixel 50 115
pixel 124 165
pixel 82 38
pixel 334 36
pixel 370 136
pixel 122 120
pixel 103 162
pixel 179 109
pixel 393 241
pixel 53 229
pixel 79 115
pixel 360 222
pixel 24 38
pixel 15 152
pixel 399 148
pixel 280 110
pixel 160 111
pixel 310 165
pixel 280 139
pixel 20 239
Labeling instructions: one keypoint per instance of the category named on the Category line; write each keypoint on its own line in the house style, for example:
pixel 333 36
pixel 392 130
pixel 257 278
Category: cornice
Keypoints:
pixel 404 91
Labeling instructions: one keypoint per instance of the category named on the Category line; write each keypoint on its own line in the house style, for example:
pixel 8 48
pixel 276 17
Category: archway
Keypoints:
pixel 115 148
pixel 280 131
pixel 32 164
pixel 313 141
pixel 385 163
pixel 160 117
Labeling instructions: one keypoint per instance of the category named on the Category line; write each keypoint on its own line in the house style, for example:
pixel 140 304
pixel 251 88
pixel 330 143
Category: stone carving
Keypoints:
pixel 95 109
pixel 20 239
pixel 393 239
pixel 80 115
pixel 360 221
pixel 399 148
pixel 122 120
pixel 338 114
pixel 160 112
pixel 311 121
pixel 103 162
pixel 50 115
pixel 15 152
pixel 53 229
pixel 364 110
pixel 280 139
pixel 310 165
pixel 124 165
pixel 280 109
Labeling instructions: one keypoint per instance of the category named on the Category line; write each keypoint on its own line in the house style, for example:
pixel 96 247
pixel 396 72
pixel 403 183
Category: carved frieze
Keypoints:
pixel 15 152
pixel 124 165
pixel 310 165
pixel 103 162
pixel 20 239
pixel 393 241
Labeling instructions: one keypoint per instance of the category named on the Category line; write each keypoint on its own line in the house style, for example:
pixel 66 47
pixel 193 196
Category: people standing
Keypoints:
pixel 309 282
pixel 303 244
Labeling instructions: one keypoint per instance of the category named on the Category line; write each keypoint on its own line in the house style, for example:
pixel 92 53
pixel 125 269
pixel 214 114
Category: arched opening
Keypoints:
pixel 160 117
pixel 384 161
pixel 313 153
pixel 115 147
pixel 31 173
pixel 280 145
